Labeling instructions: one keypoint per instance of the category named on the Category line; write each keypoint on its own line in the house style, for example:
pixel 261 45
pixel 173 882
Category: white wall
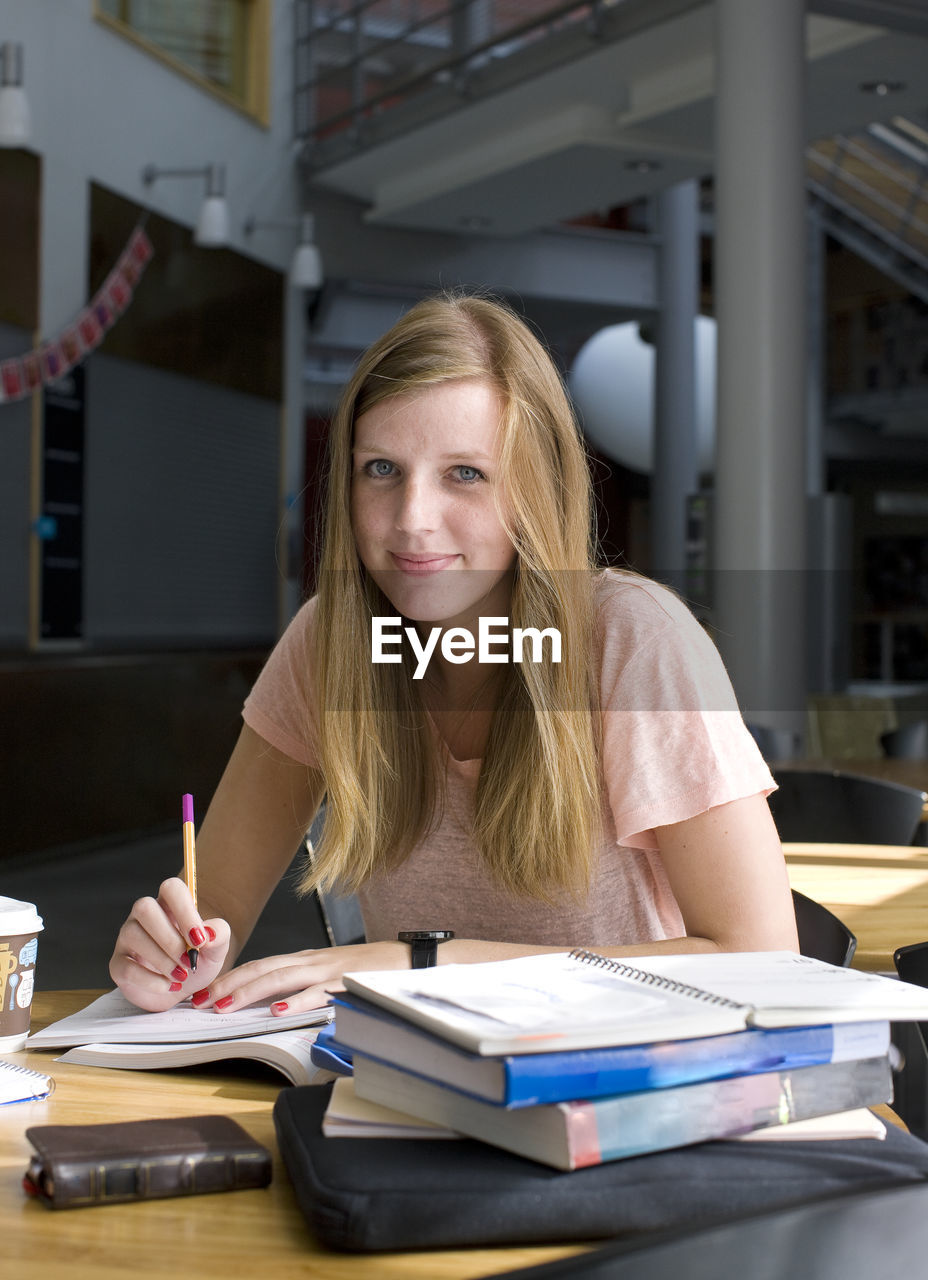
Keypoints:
pixel 102 109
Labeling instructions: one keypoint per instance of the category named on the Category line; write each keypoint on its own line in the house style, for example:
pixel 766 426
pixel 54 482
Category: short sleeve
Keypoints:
pixel 280 707
pixel 674 741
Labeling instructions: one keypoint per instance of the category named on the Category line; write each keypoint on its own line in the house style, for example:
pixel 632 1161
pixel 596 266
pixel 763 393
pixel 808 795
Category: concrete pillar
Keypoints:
pixel 760 525
pixel 292 456
pixel 676 466
pixel 816 372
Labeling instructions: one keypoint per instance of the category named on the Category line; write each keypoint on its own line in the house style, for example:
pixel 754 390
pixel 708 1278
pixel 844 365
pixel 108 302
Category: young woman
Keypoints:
pixel 602 791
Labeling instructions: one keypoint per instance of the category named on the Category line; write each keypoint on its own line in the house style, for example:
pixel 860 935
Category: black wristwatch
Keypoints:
pixel 424 945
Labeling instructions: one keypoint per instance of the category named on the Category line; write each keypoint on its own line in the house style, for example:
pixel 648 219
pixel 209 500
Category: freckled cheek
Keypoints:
pixel 369 518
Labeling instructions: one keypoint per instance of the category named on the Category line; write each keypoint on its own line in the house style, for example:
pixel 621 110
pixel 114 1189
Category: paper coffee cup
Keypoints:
pixel 20 925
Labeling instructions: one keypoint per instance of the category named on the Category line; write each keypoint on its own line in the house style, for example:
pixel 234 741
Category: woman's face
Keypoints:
pixel 424 476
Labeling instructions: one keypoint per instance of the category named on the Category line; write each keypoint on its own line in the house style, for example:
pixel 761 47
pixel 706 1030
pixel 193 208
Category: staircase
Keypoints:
pixel 871 192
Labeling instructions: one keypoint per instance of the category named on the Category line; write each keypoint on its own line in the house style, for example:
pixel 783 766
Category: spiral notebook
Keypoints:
pixel 583 1001
pixel 20 1084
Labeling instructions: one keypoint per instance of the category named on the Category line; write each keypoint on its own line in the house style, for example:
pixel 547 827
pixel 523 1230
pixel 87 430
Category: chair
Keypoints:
pixel 821 934
pixel 910 1093
pixel 909 742
pixel 340 912
pixel 844 808
pixel 774 744
pixel 865 1234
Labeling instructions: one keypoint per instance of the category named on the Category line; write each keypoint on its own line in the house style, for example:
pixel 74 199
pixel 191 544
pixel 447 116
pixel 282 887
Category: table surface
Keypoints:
pixel 242 1233
pixel 879 891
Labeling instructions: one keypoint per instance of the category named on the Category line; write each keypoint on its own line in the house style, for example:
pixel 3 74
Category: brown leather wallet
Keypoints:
pixel 84 1164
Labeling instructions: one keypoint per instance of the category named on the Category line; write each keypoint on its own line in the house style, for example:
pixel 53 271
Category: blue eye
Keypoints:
pixel 379 468
pixel 469 475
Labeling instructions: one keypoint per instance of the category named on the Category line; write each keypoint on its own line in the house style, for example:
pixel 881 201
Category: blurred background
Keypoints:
pixel 715 215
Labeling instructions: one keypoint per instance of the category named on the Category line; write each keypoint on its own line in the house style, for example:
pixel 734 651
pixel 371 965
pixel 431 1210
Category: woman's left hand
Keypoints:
pixel 299 981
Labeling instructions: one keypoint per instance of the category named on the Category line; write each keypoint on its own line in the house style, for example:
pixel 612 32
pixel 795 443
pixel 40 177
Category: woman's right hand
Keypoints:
pixel 149 963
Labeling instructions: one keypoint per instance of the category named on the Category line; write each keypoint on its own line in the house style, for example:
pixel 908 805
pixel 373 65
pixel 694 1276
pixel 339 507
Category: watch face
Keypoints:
pixel 424 935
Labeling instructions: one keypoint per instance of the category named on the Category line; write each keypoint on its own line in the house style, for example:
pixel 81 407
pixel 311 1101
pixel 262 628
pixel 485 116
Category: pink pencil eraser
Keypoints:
pixel 188 808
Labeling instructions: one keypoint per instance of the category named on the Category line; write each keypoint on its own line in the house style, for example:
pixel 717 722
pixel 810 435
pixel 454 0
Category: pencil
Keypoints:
pixel 190 865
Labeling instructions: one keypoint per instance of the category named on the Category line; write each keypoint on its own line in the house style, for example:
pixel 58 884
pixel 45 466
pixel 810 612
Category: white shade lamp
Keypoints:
pixel 15 122
pixel 306 271
pixel 212 227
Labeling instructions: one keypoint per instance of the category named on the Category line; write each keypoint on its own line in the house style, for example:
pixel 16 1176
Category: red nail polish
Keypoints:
pixel 175 986
pixel 178 974
pixel 200 997
pixel 279 1006
pixel 224 1002
pixel 185 961
pixel 211 931
pixel 197 937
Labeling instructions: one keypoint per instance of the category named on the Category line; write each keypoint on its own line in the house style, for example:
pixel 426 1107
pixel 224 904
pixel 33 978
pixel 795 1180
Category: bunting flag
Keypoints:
pixel 21 376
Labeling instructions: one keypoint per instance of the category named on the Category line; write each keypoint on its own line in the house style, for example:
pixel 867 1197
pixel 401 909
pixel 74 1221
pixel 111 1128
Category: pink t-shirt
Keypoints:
pixel 674 745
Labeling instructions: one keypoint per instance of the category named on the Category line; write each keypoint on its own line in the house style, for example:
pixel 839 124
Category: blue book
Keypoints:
pixel 528 1079
pixel 327 1054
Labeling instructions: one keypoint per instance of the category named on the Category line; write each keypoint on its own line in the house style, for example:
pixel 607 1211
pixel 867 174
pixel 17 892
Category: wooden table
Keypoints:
pixel 243 1233
pixel 879 891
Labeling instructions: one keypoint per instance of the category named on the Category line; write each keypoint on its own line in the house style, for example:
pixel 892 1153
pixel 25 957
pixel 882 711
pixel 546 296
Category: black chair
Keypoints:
pixel 866 1235
pixel 340 913
pixel 821 934
pixel 774 744
pixel 909 742
pixel 844 808
pixel 910 1092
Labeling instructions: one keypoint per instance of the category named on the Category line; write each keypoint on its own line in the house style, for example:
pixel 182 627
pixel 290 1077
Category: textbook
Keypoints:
pixel 542 1003
pixel 577 1134
pixel 526 1079
pixel 348 1116
pixel 289 1052
pixel 112 1019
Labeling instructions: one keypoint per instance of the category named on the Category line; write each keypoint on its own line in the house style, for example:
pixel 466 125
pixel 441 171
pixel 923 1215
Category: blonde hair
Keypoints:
pixel 537 799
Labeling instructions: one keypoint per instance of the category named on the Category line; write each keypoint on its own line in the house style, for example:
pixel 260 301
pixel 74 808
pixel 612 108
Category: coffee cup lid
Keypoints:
pixel 18 917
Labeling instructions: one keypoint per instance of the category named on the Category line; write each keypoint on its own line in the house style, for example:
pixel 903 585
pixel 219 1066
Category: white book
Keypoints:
pixel 580 1000
pixel 287 1051
pixel 348 1116
pixel 112 1019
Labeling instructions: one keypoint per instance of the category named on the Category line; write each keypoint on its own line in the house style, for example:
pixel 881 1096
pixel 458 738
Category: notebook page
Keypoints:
pixel 113 1019
pixel 771 981
pixel 21 1084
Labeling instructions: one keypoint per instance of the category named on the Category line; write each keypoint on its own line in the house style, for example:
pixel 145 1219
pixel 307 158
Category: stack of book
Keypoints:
pixel 573 1060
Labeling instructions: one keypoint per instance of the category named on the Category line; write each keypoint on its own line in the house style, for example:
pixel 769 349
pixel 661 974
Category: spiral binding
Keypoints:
pixel 10 1069
pixel 646 979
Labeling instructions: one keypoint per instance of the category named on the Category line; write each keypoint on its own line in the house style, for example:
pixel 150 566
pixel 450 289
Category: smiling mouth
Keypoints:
pixel 421 565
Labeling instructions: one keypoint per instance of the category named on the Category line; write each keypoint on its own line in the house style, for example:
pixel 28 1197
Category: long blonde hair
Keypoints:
pixel 536 807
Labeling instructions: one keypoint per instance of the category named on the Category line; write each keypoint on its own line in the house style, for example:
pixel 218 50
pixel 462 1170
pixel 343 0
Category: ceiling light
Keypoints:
pixel 882 88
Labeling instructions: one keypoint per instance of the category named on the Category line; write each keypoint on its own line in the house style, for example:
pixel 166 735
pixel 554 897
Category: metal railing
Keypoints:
pixel 358 62
pixel 879 178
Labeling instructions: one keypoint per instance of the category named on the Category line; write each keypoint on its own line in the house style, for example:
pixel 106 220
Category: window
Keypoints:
pixel 223 44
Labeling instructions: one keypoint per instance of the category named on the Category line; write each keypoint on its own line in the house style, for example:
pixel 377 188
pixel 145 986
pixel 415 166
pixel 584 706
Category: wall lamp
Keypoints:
pixel 306 265
pixel 212 229
pixel 15 124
